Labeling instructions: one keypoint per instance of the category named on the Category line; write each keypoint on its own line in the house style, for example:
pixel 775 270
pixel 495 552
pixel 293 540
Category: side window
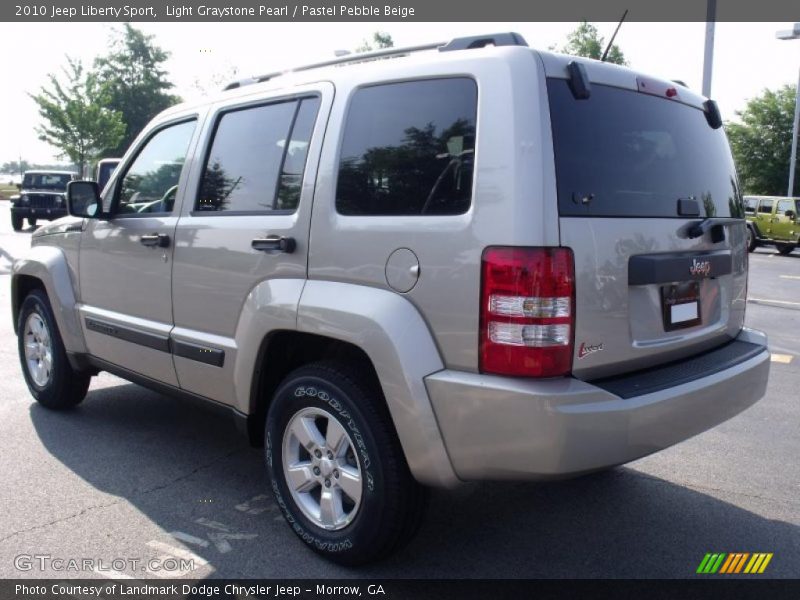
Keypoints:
pixel 783 206
pixel 150 185
pixel 295 154
pixel 408 149
pixel 257 158
pixel 765 207
pixel 750 205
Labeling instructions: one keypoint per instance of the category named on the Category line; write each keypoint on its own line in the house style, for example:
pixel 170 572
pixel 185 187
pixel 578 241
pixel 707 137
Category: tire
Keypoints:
pixel 752 242
pixel 389 510
pixel 60 387
pixel 16 222
pixel 32 221
pixel 785 249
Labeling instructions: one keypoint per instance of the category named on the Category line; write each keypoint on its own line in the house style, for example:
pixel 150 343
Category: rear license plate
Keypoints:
pixel 680 305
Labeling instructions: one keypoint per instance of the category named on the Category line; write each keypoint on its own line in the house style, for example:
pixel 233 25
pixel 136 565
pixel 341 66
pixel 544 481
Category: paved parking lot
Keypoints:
pixel 132 476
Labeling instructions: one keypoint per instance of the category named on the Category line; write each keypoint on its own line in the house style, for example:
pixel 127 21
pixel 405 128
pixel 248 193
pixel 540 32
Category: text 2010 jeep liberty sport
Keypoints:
pixel 470 261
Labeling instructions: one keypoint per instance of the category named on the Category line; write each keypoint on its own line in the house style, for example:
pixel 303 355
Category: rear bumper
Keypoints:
pixel 505 428
pixel 48 214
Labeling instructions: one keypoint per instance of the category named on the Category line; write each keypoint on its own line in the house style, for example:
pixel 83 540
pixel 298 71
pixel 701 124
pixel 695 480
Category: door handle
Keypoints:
pixel 160 240
pixel 275 243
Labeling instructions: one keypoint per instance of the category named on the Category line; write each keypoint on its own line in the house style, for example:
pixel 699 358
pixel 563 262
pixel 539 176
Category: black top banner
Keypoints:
pixel 399 10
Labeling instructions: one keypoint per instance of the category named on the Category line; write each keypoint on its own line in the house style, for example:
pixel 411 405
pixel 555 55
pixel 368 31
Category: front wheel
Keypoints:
pixel 785 249
pixel 50 378
pixel 16 222
pixel 337 470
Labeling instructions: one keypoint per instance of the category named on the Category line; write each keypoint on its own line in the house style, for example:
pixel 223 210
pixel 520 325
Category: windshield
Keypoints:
pixel 47 181
pixel 621 153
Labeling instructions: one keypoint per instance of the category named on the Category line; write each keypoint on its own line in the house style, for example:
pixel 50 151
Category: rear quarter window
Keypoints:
pixel 785 205
pixel 408 149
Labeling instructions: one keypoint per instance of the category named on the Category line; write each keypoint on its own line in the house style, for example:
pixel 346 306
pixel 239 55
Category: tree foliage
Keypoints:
pixel 17 167
pixel 211 82
pixel 135 81
pixel 761 142
pixel 380 40
pixel 75 115
pixel 586 41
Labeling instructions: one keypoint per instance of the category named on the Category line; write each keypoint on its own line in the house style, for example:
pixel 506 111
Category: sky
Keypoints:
pixel 747 57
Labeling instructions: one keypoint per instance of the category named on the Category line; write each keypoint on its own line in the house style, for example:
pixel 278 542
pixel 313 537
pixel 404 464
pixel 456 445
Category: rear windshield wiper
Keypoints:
pixel 715 225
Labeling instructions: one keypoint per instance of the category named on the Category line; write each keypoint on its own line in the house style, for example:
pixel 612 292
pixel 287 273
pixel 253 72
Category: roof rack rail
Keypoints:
pixel 349 58
pixel 481 41
pixel 465 43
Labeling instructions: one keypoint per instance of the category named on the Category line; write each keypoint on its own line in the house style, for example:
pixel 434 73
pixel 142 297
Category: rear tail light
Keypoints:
pixel 527 312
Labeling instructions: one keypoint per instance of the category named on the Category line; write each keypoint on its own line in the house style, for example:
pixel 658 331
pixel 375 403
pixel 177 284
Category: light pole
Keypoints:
pixel 793 34
pixel 708 56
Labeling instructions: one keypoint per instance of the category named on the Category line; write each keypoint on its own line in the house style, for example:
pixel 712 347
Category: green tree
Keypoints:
pixel 15 167
pixel 134 77
pixel 380 40
pixel 586 41
pixel 762 140
pixel 75 116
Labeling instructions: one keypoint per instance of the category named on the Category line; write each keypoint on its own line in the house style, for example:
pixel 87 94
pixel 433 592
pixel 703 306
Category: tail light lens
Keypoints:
pixel 527 312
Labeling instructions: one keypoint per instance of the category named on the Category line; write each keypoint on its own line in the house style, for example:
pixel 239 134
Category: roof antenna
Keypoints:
pixel 611 41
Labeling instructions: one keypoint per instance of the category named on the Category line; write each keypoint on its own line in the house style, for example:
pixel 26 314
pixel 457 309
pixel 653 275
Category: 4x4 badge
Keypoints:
pixel 586 349
pixel 700 267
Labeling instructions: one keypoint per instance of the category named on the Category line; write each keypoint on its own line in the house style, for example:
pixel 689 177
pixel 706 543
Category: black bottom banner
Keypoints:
pixel 464 589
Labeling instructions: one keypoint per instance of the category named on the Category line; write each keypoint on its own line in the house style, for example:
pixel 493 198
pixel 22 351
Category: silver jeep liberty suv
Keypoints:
pixel 457 262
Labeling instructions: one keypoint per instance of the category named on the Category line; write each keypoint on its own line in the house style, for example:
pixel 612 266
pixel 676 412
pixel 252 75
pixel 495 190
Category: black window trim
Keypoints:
pixel 209 142
pixel 112 214
pixel 343 128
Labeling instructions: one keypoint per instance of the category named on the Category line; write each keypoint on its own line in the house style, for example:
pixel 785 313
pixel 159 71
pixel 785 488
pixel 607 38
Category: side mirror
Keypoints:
pixel 19 186
pixel 789 213
pixel 83 199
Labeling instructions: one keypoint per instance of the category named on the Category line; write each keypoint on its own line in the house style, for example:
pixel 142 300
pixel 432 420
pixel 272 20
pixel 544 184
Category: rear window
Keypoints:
pixel 621 153
pixel 47 181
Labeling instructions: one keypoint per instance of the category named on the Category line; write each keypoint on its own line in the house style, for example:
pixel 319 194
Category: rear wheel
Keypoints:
pixel 32 221
pixel 751 240
pixel 337 470
pixel 785 249
pixel 50 378
pixel 16 222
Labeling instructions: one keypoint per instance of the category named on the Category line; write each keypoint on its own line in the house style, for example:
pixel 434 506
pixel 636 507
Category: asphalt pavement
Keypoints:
pixel 148 486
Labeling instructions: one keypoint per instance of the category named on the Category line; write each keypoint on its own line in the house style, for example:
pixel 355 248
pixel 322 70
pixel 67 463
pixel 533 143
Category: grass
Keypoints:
pixel 7 190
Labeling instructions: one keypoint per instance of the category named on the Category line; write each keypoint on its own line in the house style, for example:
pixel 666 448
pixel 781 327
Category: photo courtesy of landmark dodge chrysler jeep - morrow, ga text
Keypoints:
pixel 454 262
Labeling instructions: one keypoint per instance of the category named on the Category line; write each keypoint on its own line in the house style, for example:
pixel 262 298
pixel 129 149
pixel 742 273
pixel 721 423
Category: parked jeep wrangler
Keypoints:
pixel 774 221
pixel 473 261
pixel 42 196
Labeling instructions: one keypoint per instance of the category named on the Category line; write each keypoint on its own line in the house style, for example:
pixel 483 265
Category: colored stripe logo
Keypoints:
pixel 734 563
